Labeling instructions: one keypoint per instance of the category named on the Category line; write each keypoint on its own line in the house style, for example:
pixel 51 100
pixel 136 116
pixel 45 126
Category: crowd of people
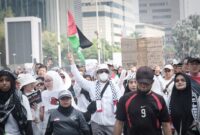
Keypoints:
pixel 108 101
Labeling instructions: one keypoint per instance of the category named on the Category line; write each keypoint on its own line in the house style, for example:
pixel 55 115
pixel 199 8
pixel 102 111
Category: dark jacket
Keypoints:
pixel 66 122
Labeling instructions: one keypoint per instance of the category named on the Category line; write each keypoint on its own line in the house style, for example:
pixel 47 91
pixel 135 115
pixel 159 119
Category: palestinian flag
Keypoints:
pixel 75 36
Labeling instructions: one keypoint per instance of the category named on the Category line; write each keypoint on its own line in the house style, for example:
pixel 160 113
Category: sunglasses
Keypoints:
pixel 167 70
pixel 65 98
pixel 102 71
pixel 40 84
pixel 62 76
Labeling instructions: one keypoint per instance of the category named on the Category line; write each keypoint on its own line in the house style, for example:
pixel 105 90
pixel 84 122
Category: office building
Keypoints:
pixel 166 13
pixel 46 10
pixel 109 20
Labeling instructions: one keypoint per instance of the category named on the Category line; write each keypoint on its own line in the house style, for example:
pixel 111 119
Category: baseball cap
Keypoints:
pixel 144 75
pixel 168 67
pixel 64 93
pixel 102 66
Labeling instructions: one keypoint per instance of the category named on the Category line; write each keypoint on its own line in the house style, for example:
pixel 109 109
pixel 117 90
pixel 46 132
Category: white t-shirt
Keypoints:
pixel 11 127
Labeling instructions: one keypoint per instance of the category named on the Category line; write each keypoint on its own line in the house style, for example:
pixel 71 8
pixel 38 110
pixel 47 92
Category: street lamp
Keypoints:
pixel 97 32
pixel 14 54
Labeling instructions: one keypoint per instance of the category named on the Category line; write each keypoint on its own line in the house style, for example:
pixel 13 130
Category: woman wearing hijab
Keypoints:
pixel 130 83
pixel 183 106
pixel 65 120
pixel 15 113
pixel 54 85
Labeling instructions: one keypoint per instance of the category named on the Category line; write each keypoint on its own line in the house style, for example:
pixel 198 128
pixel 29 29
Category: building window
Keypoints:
pixel 162 17
pixel 143 11
pixel 157 4
pixel 117 26
pixel 143 5
pixel 160 10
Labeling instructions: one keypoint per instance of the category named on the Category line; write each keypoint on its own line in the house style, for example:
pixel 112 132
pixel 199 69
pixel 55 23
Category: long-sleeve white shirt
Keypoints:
pixel 107 116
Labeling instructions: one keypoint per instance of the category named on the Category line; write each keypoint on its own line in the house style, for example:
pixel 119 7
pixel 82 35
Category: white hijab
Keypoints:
pixel 58 84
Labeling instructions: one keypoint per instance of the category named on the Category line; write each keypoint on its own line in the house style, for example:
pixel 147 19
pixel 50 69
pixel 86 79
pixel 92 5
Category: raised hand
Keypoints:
pixel 70 58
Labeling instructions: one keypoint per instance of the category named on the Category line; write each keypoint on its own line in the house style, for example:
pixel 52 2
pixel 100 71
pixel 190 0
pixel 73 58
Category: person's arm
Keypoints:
pixel 118 127
pixel 166 128
pixel 85 84
pixel 41 113
pixel 49 129
pixel 83 125
pixel 29 129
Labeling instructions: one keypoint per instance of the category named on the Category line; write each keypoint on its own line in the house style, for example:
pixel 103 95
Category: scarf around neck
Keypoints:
pixel 98 91
pixel 6 109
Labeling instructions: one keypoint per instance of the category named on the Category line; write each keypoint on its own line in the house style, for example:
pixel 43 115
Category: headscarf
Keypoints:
pixel 10 103
pixel 58 83
pixel 131 76
pixel 68 82
pixel 181 105
pixel 5 95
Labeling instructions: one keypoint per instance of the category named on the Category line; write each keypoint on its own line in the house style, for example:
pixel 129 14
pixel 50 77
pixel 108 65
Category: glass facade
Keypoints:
pixel 21 8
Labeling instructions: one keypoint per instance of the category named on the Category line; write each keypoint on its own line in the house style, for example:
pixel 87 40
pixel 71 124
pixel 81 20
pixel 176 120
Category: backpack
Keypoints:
pixel 127 105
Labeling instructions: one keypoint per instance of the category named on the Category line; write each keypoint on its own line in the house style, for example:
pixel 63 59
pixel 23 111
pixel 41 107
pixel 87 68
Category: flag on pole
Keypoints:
pixel 75 36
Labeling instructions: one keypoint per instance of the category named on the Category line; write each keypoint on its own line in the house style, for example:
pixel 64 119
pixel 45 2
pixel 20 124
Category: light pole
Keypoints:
pixel 97 32
pixel 0 59
pixel 14 54
pixel 58 32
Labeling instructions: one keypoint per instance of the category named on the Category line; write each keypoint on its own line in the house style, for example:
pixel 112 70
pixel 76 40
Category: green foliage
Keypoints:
pixel 49 43
pixel 135 35
pixel 50 48
pixel 106 50
pixel 185 37
pixel 3 14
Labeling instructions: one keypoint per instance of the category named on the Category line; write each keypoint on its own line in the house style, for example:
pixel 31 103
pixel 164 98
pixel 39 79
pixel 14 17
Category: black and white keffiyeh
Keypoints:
pixel 98 91
pixel 6 109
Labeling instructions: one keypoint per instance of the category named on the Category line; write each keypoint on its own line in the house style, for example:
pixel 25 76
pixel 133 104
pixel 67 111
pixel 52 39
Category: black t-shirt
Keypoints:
pixel 146 113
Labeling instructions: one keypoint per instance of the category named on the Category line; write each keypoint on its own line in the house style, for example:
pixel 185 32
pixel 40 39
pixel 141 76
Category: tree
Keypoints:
pixel 49 45
pixel 106 50
pixel 3 14
pixel 185 37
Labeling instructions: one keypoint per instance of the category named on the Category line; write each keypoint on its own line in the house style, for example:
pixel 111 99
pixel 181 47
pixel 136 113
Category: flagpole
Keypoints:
pixel 97 33
pixel 58 33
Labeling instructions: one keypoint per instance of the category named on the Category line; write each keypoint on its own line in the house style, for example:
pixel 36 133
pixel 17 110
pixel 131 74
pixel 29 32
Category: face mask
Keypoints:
pixel 143 93
pixel 103 77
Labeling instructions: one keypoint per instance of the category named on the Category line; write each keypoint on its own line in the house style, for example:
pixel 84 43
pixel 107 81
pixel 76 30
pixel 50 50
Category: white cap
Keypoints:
pixel 102 66
pixel 168 67
pixel 64 93
pixel 25 79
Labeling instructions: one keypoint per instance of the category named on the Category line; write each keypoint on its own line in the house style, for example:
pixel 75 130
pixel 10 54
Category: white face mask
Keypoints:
pixel 103 77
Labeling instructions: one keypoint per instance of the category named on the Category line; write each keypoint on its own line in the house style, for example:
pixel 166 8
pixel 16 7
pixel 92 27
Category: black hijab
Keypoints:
pixel 65 110
pixel 4 96
pixel 10 103
pixel 181 105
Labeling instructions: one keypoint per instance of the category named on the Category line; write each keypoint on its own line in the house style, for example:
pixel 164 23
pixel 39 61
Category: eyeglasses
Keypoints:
pixel 102 71
pixel 40 84
pixel 167 70
pixel 47 81
pixel 65 98
pixel 62 76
